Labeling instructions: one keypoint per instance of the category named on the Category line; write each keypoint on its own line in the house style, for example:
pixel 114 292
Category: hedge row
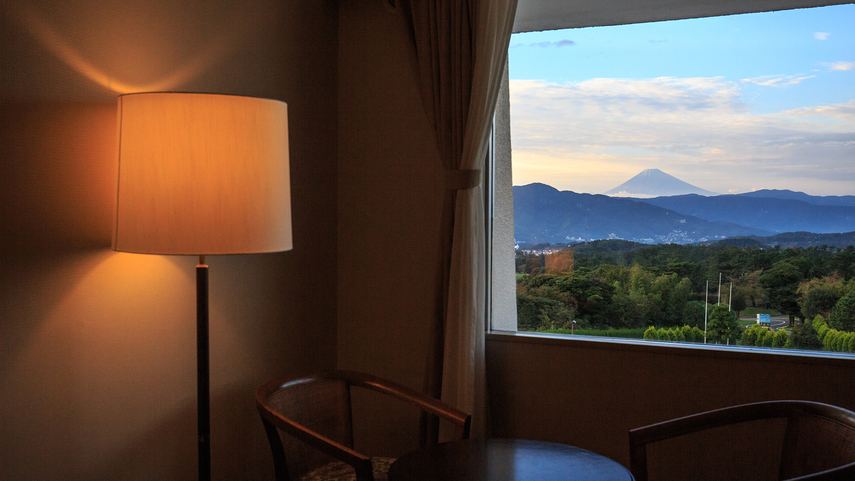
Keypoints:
pixel 832 339
pixel 684 334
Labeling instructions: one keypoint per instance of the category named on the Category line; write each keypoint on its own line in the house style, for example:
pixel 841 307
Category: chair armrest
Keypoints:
pixel 460 419
pixel 842 473
pixel 360 462
pixel 724 416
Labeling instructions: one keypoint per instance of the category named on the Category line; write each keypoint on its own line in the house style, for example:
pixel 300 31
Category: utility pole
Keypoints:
pixel 719 289
pixel 706 306
pixel 730 296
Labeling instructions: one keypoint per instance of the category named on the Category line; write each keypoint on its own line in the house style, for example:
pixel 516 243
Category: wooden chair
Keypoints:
pixel 309 418
pixel 818 444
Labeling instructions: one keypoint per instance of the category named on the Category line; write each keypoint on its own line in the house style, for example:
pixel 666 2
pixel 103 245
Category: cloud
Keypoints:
pixel 777 80
pixel 821 35
pixel 699 129
pixel 842 113
pixel 558 44
pixel 840 65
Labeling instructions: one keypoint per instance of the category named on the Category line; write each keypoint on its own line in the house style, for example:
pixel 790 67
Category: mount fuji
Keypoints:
pixel 655 183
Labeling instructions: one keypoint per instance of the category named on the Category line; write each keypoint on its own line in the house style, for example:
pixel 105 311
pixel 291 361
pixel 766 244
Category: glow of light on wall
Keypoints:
pixel 215 51
pixel 136 311
pixel 116 338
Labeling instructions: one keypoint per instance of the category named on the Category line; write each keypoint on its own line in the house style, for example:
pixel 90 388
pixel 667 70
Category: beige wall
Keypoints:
pixel 389 205
pixel 97 348
pixel 590 393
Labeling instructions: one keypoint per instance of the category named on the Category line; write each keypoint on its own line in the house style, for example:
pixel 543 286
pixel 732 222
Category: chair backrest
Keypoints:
pixel 818 439
pixel 321 405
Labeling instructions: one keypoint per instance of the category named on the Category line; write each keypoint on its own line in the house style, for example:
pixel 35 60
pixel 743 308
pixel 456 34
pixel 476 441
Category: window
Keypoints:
pixel 731 105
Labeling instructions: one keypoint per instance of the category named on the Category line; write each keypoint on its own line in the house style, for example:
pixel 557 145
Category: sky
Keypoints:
pixel 729 104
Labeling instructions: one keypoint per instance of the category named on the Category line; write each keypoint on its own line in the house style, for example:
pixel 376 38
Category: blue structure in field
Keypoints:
pixel 764 319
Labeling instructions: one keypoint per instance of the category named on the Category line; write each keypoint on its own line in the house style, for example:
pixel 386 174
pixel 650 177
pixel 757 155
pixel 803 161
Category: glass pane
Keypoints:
pixel 688 181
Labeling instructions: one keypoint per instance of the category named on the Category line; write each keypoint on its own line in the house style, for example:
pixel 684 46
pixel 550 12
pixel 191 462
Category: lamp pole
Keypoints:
pixel 203 376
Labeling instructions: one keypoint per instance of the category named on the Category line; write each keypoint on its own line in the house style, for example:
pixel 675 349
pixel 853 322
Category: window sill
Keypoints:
pixel 674 348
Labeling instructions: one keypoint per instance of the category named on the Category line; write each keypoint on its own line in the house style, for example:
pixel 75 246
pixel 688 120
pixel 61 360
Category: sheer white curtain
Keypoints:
pixel 462 47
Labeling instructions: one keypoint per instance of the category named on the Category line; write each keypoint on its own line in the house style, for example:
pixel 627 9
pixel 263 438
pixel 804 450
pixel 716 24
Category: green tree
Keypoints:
pixel 750 334
pixel 843 262
pixel 804 336
pixel 694 314
pixel 821 328
pixel 829 338
pixel 697 334
pixel 722 326
pixel 534 313
pixel 766 339
pixel 818 296
pixel 738 302
pixel 686 333
pixel 780 339
pixel 843 315
pixel 781 283
pixel 748 287
pixel 650 333
pixel 838 341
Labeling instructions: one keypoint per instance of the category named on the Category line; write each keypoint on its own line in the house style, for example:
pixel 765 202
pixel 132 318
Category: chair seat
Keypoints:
pixel 341 471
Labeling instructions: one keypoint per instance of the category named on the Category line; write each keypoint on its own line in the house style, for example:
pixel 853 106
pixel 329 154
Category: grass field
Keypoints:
pixel 625 333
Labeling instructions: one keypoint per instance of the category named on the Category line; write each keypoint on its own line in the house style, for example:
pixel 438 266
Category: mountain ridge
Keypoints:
pixel 544 214
pixel 838 200
pixel 767 213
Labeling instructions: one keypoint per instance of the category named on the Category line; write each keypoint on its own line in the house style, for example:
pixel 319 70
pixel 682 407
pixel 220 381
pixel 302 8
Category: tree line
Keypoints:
pixel 602 286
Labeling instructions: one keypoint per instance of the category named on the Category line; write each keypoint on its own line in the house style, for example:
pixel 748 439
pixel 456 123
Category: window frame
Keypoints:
pixel 500 156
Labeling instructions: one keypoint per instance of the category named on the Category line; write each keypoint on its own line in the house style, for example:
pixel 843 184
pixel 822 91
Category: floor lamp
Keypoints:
pixel 202 174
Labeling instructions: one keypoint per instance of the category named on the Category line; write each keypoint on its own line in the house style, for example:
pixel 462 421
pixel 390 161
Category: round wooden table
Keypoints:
pixel 505 460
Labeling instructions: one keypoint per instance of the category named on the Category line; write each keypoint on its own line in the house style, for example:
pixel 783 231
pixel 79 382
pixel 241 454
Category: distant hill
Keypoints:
pixel 794 239
pixel 788 239
pixel 840 200
pixel 543 214
pixel 771 214
pixel 655 183
pixel 607 245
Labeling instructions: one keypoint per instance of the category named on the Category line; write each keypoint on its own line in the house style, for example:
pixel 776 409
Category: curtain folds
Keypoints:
pixel 461 49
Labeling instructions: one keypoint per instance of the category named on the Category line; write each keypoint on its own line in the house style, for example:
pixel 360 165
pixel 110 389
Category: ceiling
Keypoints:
pixel 535 15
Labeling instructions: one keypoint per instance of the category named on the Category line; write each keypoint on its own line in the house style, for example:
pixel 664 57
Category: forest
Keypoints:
pixel 662 290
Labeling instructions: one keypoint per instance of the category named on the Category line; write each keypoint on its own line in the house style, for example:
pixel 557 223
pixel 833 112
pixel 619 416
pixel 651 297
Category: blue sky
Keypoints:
pixel 729 104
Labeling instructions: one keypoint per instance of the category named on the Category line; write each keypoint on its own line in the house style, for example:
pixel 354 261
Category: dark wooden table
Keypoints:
pixel 505 460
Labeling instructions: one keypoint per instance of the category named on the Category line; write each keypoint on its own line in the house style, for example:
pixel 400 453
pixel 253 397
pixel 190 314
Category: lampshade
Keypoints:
pixel 202 174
